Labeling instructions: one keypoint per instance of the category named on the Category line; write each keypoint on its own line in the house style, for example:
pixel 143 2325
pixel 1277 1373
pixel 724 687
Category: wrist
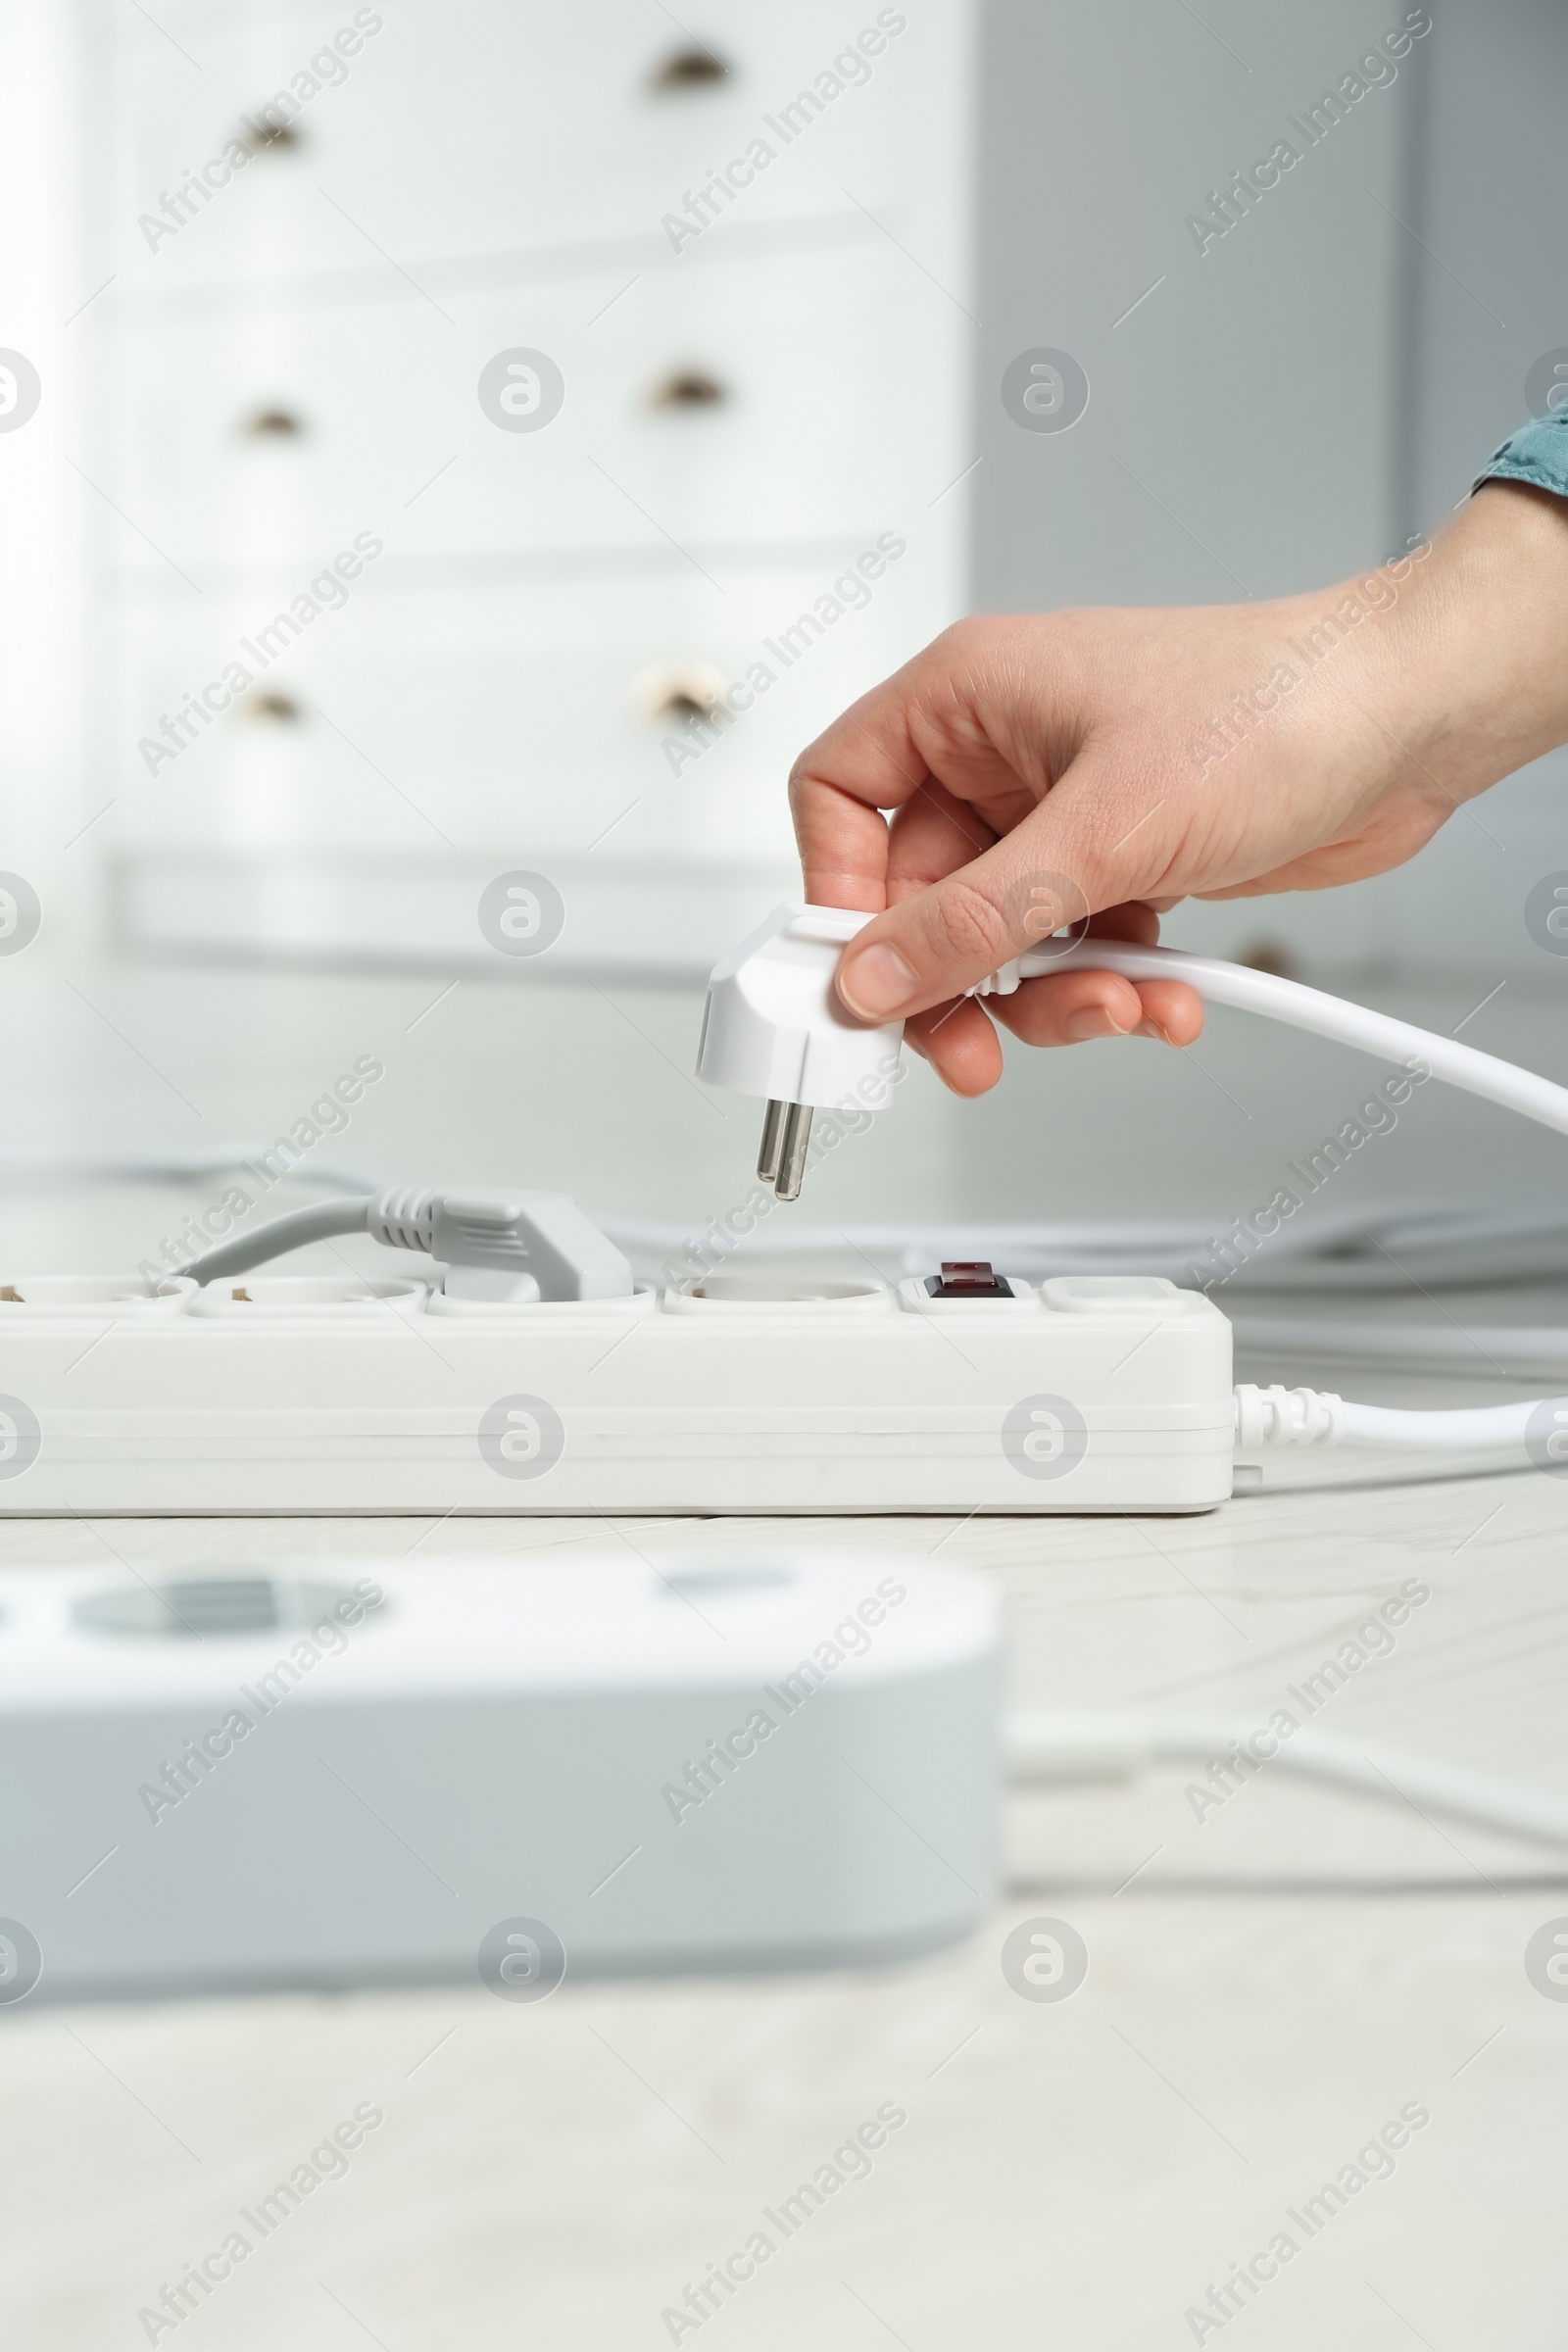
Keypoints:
pixel 1478 642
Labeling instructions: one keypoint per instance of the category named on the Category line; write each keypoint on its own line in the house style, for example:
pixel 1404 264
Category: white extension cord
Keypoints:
pixel 1078 1751
pixel 1247 991
pixel 1279 1416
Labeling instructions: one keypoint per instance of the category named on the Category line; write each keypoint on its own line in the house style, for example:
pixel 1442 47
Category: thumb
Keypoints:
pixel 937 944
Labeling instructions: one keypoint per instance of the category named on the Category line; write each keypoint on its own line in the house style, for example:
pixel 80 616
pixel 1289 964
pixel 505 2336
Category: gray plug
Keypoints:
pixel 513 1246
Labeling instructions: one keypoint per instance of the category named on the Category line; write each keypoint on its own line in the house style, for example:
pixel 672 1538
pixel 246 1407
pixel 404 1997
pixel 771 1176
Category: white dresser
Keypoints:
pixel 743 241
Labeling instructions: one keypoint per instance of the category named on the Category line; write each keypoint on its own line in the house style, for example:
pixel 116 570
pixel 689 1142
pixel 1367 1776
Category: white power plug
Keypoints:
pixel 773 1027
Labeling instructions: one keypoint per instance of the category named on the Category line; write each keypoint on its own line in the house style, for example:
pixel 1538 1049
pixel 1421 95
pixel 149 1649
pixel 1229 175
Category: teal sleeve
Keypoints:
pixel 1537 452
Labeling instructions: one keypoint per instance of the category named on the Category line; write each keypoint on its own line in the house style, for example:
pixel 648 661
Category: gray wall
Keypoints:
pixel 1490 299
pixel 1292 402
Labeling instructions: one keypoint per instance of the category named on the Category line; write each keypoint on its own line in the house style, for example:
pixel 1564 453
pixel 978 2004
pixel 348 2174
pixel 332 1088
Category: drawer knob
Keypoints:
pixel 693 68
pixel 260 134
pixel 272 425
pixel 689 388
pixel 672 692
pixel 279 709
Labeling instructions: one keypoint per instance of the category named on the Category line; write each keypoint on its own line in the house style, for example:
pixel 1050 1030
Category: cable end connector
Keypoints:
pixel 512 1247
pixel 774 1026
pixel 1281 1416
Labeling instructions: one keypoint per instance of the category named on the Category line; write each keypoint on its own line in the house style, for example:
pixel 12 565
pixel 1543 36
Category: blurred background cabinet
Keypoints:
pixel 746 245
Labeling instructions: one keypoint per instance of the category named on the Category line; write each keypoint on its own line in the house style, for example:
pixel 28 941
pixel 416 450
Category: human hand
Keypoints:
pixel 1106 764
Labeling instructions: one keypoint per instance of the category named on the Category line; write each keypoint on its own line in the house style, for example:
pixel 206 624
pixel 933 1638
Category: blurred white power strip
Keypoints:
pixel 289 1393
pixel 503 1772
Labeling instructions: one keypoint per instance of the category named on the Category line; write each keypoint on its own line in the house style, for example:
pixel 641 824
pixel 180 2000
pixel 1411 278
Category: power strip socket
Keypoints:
pixel 396 1772
pixel 288 1394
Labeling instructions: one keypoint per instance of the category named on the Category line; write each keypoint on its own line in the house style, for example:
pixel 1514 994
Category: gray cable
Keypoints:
pixel 321 1222
pixel 497 1246
pixel 18 1160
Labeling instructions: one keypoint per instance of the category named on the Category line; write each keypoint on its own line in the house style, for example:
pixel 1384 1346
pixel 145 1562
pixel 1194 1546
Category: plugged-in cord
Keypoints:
pixel 1078 1751
pixel 402 1218
pixel 1281 1416
pixel 513 1248
pixel 323 1221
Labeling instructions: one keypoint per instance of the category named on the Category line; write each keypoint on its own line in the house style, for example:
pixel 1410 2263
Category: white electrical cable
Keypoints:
pixel 1310 1417
pixel 1302 1007
pixel 1535 1430
pixel 323 1221
pixel 1478 1425
pixel 1072 1750
pixel 1279 1417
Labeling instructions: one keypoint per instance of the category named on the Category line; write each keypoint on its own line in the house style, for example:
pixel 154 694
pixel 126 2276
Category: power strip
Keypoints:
pixel 290 1393
pixel 506 1771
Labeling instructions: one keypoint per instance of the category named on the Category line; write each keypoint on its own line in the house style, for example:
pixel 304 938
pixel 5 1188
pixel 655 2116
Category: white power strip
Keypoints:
pixel 508 1771
pixel 300 1394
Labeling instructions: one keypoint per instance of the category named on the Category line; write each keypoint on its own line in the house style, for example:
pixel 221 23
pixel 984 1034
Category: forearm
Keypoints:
pixel 1481 641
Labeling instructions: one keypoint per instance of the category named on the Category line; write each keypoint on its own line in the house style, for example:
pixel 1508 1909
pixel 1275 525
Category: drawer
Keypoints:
pixel 408 910
pixel 491 127
pixel 402 719
pixel 719 401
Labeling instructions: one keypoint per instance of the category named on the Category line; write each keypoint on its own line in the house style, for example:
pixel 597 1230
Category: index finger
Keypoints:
pixel 865 761
pixel 917 732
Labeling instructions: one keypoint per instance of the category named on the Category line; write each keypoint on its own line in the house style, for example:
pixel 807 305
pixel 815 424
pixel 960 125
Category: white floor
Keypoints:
pixel 1266 1989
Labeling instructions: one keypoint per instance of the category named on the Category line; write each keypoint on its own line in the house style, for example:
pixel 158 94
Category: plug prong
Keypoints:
pixel 797 1134
pixel 767 1158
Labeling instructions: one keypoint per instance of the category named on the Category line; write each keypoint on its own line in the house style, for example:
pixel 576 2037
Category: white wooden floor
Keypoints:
pixel 1266 1991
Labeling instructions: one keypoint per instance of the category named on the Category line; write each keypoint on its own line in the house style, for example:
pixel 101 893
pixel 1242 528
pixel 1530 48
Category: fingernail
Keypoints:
pixel 876 983
pixel 1093 1021
pixel 1153 1029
